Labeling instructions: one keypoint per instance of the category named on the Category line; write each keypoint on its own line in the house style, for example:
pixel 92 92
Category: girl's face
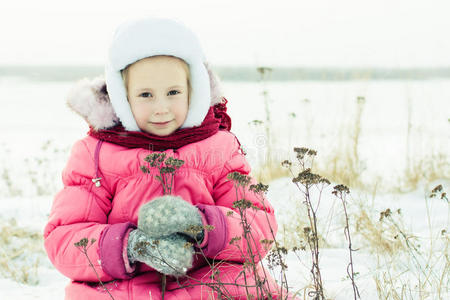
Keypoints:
pixel 158 94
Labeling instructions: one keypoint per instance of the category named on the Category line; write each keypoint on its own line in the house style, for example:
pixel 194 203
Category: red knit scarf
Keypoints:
pixel 216 118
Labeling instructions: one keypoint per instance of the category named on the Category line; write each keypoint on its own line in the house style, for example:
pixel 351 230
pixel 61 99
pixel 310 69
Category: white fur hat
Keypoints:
pixel 139 38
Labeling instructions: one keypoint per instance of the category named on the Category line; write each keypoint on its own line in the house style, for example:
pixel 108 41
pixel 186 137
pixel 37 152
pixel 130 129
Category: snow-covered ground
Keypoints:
pixel 37 129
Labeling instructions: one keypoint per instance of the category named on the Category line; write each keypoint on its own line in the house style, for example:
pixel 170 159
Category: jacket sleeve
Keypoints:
pixel 227 240
pixel 80 210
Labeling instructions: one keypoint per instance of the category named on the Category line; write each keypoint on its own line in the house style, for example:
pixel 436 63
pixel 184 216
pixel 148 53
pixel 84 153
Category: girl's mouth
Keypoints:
pixel 160 123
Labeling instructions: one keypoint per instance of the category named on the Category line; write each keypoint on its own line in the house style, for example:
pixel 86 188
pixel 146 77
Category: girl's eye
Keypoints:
pixel 144 94
pixel 174 91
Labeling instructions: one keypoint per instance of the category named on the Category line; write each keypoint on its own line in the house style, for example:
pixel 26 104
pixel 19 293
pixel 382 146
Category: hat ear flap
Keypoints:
pixel 215 85
pixel 201 94
pixel 118 97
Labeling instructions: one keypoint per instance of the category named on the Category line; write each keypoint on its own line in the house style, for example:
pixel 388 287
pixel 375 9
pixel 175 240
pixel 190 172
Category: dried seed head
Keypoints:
pixel 324 181
pixel 162 157
pixel 300 150
pixel 244 204
pixel 235 240
pixel 340 188
pixel 286 164
pixel 173 162
pixel 153 158
pixel 385 214
pixel 145 169
pixel 194 229
pixel 311 152
pixel 437 189
pixel 209 227
pixel 82 243
pixel 307 178
pixel 167 170
pixel 259 188
pixel 266 243
pixel 240 179
pixel 256 122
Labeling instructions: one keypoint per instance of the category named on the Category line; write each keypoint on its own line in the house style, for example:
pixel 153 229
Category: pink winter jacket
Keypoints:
pixel 107 213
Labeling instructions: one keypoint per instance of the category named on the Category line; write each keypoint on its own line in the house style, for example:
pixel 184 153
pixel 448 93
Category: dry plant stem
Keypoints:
pixel 315 241
pixel 164 280
pixel 212 268
pixel 243 269
pixel 279 255
pixel 445 272
pixel 246 230
pixel 350 270
pixel 412 248
pixel 428 281
pixel 218 287
pixel 263 71
pixel 312 242
pixel 307 180
pixel 163 285
pixel 83 250
pixel 430 256
pixel 262 289
pixel 360 106
pixel 167 169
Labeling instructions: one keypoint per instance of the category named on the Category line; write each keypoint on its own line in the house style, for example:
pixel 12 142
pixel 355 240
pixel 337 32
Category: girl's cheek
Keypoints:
pixel 140 104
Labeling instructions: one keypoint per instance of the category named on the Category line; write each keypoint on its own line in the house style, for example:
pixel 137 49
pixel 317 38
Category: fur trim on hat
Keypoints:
pixel 89 98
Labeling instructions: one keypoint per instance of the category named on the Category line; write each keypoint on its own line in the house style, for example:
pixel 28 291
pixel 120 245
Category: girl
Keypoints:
pixel 159 98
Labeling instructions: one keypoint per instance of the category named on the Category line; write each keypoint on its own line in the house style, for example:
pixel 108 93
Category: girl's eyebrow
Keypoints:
pixel 170 87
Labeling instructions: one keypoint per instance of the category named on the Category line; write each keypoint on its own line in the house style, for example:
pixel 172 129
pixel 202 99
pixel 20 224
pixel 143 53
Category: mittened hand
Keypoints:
pixel 169 214
pixel 170 255
pixel 165 224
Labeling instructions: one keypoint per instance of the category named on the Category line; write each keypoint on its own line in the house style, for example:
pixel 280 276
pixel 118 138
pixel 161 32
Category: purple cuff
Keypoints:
pixel 205 232
pixel 218 237
pixel 128 267
pixel 111 250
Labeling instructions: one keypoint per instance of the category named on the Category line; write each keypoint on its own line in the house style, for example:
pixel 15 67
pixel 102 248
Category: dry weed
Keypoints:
pixel 21 251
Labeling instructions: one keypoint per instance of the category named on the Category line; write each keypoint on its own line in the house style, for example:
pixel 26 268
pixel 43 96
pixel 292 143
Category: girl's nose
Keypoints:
pixel 161 107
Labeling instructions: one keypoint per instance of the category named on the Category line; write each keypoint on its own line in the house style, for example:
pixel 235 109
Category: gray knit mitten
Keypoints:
pixel 170 255
pixel 169 214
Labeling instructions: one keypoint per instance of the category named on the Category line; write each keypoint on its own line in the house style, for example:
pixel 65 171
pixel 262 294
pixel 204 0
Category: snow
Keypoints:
pixel 30 109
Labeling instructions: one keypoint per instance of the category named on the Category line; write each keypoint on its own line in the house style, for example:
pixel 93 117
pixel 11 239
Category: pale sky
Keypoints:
pixel 314 33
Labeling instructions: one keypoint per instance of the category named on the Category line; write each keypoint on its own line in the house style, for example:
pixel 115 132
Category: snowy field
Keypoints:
pixel 401 122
